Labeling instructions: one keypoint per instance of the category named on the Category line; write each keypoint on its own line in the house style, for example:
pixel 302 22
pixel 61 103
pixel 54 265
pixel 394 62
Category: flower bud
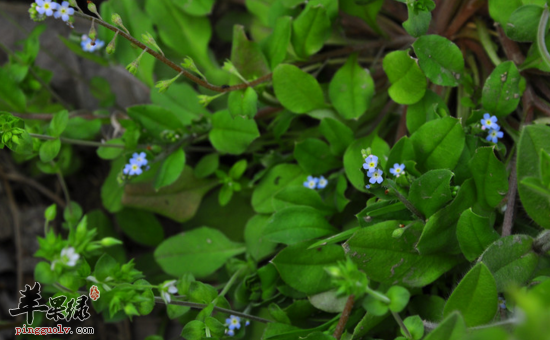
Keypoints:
pixel 148 39
pixel 189 64
pixel 35 16
pixel 397 233
pixel 92 34
pixel 163 85
pixel 229 67
pixel 109 241
pixel 92 8
pixel 50 212
pixel 117 20
pixel 110 49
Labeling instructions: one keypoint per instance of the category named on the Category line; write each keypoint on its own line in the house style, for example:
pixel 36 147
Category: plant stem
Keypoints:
pixel 64 187
pixel 377 295
pixel 401 324
pixel 510 205
pixel 486 42
pixel 404 200
pixel 78 142
pixel 230 283
pixel 541 33
pixel 344 317
pixel 542 243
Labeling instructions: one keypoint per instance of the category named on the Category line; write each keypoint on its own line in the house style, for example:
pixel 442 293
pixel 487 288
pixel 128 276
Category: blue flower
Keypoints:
pixel 397 169
pixel 87 46
pixel 311 182
pixel 501 303
pixel 367 186
pixel 322 183
pixel 140 158
pixel 229 332
pixel 46 7
pixel 132 168
pixel 375 176
pixel 233 322
pixel 64 11
pixel 370 163
pixel 489 122
pixel 494 135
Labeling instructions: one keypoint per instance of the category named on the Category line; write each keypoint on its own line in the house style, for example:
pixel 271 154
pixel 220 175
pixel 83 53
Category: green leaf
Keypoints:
pixel 142 227
pixel 438 144
pixel 310 30
pixel 418 22
pixel 304 270
pixel 256 244
pixel 200 252
pixel 329 301
pixel 337 134
pixel 170 169
pixel 12 96
pixel 243 103
pixel 238 169
pixel 428 307
pixel 440 59
pixel 374 306
pixel 383 211
pixel 399 297
pixel 301 196
pixel 353 160
pixel 247 57
pixel 375 251
pixel 430 107
pixel 501 93
pixel 106 152
pixel 431 191
pixel 59 123
pixel 80 128
pixel 533 139
pixel 225 194
pixel 232 135
pixel 523 23
pixel 277 43
pixel 475 297
pixel 193 330
pixel 178 201
pixel 155 119
pixel 474 234
pixel 207 165
pixel 407 79
pixel 439 234
pixel 182 100
pixel 279 177
pixel 452 328
pixel 490 177
pixel 351 89
pixel 49 150
pixel 111 191
pixel 315 157
pixel 196 7
pixel 296 224
pixel 500 10
pixel 297 90
pixel 366 12
pixel 511 260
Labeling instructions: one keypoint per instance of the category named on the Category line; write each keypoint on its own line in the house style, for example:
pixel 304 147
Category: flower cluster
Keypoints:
pixel 490 123
pixel 233 323
pixel 371 162
pixel 68 257
pixel 316 183
pixel 88 45
pixel 134 165
pixel 47 8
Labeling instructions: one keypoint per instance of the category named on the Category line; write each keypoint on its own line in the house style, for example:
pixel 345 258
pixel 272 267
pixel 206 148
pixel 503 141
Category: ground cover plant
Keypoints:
pixel 349 169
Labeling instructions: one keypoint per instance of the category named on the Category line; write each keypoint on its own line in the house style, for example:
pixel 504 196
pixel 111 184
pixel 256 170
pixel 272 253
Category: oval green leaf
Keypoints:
pixel 440 59
pixel 407 79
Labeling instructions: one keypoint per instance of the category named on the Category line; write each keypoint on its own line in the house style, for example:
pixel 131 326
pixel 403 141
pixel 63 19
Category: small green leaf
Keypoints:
pixel 257 244
pixel 301 196
pixel 475 297
pixel 452 328
pixel 297 90
pixel 59 123
pixel 415 326
pixel 407 79
pixel 310 30
pixel 182 100
pixel 197 8
pixel 304 270
pixel 193 330
pixel 155 119
pixel 141 226
pixel 329 301
pixel 238 169
pixel 296 224
pixel 232 135
pixel 474 234
pixel 399 297
pixel 200 252
pixel 500 10
pixel 106 152
pixel 277 43
pixel 351 89
pixel 431 191
pixel 511 260
pixel 501 93
pixel 243 103
pixel 490 176
pixel 337 134
pixel 207 165
pixel 418 22
pixel 375 306
pixel 225 195
pixel 275 180
pixel 49 150
pixel 315 157
pixel 440 59
pixel 170 169
pixel 430 107
pixel 367 12
pixel 523 23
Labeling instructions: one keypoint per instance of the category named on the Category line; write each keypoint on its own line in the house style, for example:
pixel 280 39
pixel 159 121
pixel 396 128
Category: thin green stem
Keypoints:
pixel 401 324
pixel 230 283
pixel 541 33
pixel 64 187
pixel 486 42
pixel 377 295
pixel 511 321
pixel 78 142
pixel 404 200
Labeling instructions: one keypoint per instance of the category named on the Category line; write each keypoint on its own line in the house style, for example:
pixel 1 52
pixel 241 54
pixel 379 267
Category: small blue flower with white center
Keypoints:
pixel 311 182
pixel 370 163
pixel 133 168
pixel 322 183
pixel 375 176
pixel 489 122
pixel 397 169
pixel 64 11
pixel 86 44
pixel 501 302
pixel 46 7
pixel 229 332
pixel 140 158
pixel 233 322
pixel 494 135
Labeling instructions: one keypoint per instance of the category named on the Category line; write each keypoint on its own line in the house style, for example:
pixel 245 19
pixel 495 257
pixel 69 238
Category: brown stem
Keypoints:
pixel 85 114
pixel 541 105
pixel 344 317
pixel 464 13
pixel 402 127
pixel 30 182
pixel 443 13
pixel 511 48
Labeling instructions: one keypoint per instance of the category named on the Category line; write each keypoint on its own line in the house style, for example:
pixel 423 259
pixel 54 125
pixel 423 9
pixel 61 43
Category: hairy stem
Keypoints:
pixel 401 324
pixel 344 317
pixel 78 142
pixel 541 33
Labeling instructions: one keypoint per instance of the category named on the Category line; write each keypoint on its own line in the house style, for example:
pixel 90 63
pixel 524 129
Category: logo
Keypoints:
pixel 59 308
pixel 94 293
